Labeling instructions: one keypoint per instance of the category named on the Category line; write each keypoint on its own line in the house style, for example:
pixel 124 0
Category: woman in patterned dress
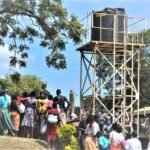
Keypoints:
pixel 28 120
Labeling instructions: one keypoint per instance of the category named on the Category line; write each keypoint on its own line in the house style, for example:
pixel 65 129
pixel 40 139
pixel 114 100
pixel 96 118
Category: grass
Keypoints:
pixel 16 143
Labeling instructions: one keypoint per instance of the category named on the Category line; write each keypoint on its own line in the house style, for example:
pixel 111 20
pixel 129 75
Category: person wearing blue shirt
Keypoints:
pixel 5 121
pixel 103 142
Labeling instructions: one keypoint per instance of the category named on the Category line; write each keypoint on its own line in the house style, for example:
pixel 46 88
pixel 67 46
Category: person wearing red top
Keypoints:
pixel 50 102
pixel 52 127
pixel 19 99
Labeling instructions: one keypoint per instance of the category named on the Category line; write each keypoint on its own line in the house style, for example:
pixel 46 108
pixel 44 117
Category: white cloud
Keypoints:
pixel 4 58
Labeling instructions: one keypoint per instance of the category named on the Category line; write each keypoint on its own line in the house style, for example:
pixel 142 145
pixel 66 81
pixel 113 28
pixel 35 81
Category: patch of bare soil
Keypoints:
pixel 16 143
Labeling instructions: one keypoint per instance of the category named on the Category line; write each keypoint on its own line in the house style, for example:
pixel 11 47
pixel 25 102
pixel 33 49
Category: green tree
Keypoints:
pixel 3 84
pixel 87 103
pixel 26 83
pixel 144 68
pixel 23 21
pixel 145 73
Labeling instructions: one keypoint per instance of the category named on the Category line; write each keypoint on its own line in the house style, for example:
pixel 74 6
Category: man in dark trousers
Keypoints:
pixel 60 100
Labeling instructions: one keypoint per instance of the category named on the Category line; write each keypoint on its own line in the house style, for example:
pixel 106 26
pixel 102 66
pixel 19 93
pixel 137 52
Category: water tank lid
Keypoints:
pixel 108 9
pixel 114 10
pixel 121 10
pixel 111 10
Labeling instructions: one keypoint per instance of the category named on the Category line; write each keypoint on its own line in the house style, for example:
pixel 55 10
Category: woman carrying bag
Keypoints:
pixel 52 122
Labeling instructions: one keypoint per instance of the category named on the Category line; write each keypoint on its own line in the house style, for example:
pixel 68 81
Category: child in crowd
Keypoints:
pixel 103 142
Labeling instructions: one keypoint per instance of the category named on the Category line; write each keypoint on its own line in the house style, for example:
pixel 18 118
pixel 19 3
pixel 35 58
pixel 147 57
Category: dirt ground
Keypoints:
pixel 15 143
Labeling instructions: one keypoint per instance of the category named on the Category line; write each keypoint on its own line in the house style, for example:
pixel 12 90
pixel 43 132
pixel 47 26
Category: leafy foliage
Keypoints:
pixel 145 67
pixel 66 136
pixel 23 21
pixel 2 84
pixel 87 103
pixel 17 84
pixel 57 61
pixel 145 73
pixel 15 77
pixel 146 36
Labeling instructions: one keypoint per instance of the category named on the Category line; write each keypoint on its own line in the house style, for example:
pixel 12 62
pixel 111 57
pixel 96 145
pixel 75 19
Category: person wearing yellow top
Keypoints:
pixel 41 110
pixel 42 107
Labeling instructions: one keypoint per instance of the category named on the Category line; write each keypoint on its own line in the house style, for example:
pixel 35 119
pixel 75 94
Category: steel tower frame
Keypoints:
pixel 125 59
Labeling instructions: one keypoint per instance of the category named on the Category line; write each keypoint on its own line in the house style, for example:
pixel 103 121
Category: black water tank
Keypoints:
pixel 107 21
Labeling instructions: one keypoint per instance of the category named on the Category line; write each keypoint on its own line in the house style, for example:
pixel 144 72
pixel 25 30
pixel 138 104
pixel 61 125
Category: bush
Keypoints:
pixel 66 136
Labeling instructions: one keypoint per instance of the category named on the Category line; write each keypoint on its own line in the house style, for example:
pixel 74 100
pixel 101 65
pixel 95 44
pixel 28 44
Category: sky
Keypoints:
pixel 69 79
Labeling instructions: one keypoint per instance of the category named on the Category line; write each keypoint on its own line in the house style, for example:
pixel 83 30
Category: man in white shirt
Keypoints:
pixel 134 143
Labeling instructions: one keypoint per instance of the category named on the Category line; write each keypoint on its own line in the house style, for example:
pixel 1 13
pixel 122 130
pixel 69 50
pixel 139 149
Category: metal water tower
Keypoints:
pixel 110 64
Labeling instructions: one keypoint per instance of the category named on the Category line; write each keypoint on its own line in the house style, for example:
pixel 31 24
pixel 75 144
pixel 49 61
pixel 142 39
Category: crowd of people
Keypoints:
pixel 97 133
pixel 21 115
